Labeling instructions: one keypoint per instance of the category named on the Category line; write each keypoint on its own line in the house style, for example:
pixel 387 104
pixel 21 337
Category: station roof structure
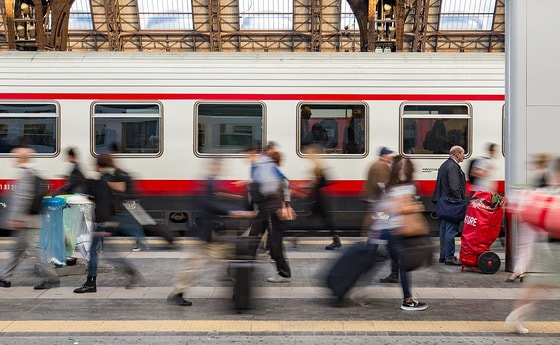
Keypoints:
pixel 259 25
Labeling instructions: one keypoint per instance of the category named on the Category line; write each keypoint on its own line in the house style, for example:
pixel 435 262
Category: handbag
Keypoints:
pixel 414 224
pixel 415 252
pixel 451 209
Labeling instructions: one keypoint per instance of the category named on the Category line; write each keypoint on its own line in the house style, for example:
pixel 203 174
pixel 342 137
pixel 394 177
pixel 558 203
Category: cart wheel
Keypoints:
pixel 489 262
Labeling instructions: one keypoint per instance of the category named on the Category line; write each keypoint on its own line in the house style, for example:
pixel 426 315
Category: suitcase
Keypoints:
pixel 354 262
pixel 245 251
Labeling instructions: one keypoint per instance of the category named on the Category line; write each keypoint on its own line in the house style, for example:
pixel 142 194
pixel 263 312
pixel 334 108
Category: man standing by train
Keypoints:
pixel 451 183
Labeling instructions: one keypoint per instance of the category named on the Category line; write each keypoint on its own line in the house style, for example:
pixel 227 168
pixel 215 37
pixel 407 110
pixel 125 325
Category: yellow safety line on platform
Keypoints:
pixel 228 326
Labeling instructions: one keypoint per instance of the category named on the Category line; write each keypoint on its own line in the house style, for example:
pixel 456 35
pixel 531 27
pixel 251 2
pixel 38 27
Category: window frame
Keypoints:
pixel 402 117
pixel 56 115
pixel 367 139
pixel 160 116
pixel 226 155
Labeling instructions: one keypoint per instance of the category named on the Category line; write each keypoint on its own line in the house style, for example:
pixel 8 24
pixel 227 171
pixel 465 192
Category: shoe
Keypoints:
pixel 279 279
pixel 134 278
pixel 514 276
pixel 513 325
pixel 441 260
pixel 179 300
pixel 136 249
pixel 412 304
pixel 46 285
pixel 391 278
pixel 89 286
pixel 5 283
pixel 453 262
pixel 335 243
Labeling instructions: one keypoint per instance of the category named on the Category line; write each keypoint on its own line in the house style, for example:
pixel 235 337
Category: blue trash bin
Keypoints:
pixel 51 237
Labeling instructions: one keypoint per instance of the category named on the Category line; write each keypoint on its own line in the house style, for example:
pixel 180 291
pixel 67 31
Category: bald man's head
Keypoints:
pixel 22 155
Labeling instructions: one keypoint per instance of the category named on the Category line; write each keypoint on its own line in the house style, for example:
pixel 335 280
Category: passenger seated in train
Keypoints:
pixel 318 136
pixel 436 138
pixel 353 140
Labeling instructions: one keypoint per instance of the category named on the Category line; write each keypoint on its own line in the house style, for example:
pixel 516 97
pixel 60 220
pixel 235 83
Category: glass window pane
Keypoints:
pixel 165 14
pixel 80 16
pixel 334 129
pixel 414 109
pixel 467 15
pixel 229 128
pixel 127 109
pixel 36 133
pixel 8 108
pixel 126 135
pixel 266 14
pixel 434 136
pixel 347 18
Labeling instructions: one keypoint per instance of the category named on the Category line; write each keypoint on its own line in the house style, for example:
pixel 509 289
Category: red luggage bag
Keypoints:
pixel 482 225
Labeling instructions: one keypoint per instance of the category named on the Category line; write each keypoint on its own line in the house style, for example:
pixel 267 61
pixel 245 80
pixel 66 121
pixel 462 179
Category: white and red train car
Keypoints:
pixel 166 115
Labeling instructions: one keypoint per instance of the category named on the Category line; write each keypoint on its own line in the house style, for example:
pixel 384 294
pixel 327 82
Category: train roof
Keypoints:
pixel 324 73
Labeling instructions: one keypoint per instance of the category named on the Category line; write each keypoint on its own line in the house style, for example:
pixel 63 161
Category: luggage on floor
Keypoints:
pixel 482 226
pixel 354 262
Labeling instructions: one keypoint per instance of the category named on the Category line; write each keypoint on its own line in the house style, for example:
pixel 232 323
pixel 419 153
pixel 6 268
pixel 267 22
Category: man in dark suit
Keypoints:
pixel 451 182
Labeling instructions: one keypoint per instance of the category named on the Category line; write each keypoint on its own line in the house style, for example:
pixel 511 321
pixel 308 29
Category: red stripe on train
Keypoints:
pixel 348 188
pixel 248 97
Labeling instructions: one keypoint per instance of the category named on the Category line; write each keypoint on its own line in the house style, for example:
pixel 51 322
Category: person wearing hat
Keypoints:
pixel 379 175
pixel 377 178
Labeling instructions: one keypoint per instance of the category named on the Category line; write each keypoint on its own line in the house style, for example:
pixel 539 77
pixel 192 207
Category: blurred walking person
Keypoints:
pixel 207 250
pixel 23 222
pixel 528 235
pixel 76 180
pixel 545 267
pixel 378 177
pixel 401 194
pixel 320 203
pixel 103 192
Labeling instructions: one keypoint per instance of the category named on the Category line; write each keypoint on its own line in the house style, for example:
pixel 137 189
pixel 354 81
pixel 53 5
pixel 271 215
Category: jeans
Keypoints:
pixel 96 239
pixel 277 246
pixel 395 249
pixel 447 233
pixel 129 226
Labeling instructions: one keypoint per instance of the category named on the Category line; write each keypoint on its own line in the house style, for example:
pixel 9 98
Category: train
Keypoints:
pixel 165 116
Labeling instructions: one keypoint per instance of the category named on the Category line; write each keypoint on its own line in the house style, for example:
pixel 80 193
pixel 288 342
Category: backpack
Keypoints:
pixel 39 191
pixel 470 175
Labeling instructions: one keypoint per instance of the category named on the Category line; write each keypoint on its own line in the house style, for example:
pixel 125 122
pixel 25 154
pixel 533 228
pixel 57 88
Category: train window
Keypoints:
pixel 228 128
pixel 333 128
pixel 127 129
pixel 34 125
pixel 432 129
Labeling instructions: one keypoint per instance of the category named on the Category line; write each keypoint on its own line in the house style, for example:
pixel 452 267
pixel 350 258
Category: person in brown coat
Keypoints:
pixel 377 178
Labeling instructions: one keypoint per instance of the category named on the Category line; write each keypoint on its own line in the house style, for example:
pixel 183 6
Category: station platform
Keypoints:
pixel 467 307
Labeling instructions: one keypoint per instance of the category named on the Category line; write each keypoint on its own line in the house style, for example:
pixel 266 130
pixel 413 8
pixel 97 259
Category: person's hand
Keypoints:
pixel 240 183
pixel 15 224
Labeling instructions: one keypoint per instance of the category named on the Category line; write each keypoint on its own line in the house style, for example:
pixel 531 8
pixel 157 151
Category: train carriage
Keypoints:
pixel 166 115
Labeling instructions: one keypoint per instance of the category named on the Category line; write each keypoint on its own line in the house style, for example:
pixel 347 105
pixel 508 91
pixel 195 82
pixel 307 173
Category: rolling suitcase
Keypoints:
pixel 354 262
pixel 245 251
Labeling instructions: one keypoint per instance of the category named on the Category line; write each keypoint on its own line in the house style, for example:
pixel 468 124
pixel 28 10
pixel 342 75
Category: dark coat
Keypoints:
pixel 450 182
pixel 76 183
